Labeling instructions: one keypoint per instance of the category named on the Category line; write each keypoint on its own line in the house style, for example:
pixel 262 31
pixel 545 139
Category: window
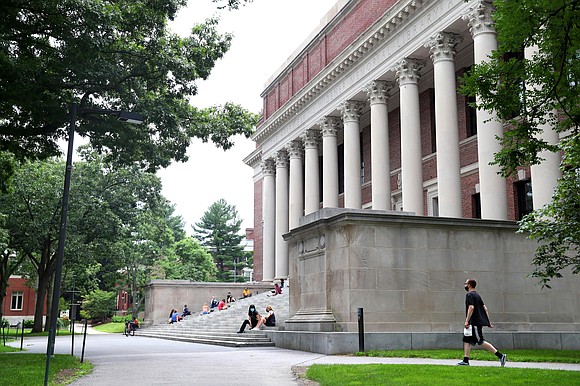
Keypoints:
pixel 341 168
pixel 525 202
pixel 17 300
pixel 476 206
pixel 471 117
pixel 433 124
pixel 518 56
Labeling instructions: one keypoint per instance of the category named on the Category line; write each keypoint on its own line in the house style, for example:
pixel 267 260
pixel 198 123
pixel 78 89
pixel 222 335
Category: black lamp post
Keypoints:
pixel 124 116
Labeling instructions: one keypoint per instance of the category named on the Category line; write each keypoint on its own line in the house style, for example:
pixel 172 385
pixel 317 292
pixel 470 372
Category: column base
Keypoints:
pixel 315 320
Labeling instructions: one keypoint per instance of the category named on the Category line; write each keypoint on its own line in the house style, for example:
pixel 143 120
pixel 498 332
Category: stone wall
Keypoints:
pixel 407 273
pixel 163 295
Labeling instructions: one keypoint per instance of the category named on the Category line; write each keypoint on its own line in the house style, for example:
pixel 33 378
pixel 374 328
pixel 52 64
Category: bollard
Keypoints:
pixel 72 333
pixel 84 341
pixel 361 331
pixel 22 336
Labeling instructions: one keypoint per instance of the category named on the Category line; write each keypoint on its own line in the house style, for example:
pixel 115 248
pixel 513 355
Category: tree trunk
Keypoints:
pixel 41 291
pixel 49 294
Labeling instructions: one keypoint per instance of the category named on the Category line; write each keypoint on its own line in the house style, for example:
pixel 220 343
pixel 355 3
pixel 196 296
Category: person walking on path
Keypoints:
pixel 476 317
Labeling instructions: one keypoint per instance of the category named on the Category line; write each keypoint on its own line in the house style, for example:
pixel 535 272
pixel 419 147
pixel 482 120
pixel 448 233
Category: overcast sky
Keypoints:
pixel 266 33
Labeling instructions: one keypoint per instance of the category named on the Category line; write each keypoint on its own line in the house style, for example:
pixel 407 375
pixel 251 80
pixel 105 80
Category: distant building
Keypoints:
pixel 20 300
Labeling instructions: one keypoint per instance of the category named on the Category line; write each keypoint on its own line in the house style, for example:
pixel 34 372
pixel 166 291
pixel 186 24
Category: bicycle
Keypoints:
pixel 129 329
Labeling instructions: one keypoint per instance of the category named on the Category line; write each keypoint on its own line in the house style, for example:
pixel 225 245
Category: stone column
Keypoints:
pixel 546 174
pixel 311 172
pixel 378 92
pixel 281 214
pixel 296 209
pixel 329 127
pixel 351 111
pixel 411 159
pixel 442 50
pixel 492 187
pixel 269 217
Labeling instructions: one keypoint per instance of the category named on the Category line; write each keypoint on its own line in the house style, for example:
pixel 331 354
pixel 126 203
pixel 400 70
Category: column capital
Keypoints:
pixel 351 110
pixel 379 91
pixel 294 149
pixel 330 126
pixel 442 46
pixel 310 138
pixel 479 18
pixel 281 158
pixel 407 70
pixel 268 167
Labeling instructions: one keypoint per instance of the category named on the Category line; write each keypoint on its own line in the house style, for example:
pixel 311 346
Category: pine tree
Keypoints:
pixel 218 231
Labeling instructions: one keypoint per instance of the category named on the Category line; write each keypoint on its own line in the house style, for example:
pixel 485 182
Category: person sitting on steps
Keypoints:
pixel 254 319
pixel 246 293
pixel 270 319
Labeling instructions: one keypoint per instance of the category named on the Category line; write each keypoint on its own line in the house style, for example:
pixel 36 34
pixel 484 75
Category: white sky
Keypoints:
pixel 266 33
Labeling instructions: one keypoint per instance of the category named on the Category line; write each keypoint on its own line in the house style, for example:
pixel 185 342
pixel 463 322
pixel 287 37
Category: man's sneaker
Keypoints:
pixel 502 360
pixel 463 363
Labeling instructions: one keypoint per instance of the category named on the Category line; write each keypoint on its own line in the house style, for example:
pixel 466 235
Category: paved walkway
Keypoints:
pixel 145 361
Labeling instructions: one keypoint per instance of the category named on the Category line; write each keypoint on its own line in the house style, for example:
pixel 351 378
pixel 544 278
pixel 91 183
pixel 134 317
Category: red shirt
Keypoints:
pixel 221 305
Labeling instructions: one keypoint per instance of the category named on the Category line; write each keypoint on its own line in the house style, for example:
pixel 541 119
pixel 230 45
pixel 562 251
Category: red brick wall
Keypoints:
pixel 467 190
pixel 258 232
pixel 426 122
pixel 28 302
pixel 285 89
pixel 364 14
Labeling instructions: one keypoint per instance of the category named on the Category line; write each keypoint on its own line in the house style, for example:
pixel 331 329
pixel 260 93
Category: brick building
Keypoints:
pixel 366 115
pixel 20 300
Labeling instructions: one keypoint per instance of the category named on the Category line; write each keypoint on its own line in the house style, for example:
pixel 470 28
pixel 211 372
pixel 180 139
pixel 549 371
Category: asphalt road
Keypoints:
pixel 120 360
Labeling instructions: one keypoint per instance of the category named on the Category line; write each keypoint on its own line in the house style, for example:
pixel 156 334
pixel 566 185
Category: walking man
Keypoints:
pixel 477 316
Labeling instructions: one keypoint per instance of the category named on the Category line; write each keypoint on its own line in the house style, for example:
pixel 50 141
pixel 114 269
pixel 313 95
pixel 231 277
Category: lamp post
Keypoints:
pixel 124 116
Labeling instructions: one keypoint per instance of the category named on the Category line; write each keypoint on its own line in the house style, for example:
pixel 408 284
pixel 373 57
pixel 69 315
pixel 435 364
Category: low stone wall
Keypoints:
pixel 163 295
pixel 407 273
pixel 331 343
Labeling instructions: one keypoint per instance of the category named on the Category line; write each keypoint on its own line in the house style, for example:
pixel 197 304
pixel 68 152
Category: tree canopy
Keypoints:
pixel 528 92
pixel 116 55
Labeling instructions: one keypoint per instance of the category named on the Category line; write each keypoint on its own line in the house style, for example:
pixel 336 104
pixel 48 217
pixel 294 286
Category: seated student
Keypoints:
pixel 254 319
pixel 213 303
pixel 134 323
pixel 175 317
pixel 185 311
pixel 230 298
pixel 246 293
pixel 222 305
pixel 277 290
pixel 205 309
pixel 270 319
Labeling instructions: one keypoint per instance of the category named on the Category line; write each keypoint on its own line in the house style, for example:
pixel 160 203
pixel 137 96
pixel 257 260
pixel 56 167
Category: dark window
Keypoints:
pixel 525 202
pixel 519 56
pixel 471 117
pixel 341 168
pixel 476 206
pixel 433 124
pixel 362 160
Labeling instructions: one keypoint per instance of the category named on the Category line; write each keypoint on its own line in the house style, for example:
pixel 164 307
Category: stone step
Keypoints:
pixel 220 327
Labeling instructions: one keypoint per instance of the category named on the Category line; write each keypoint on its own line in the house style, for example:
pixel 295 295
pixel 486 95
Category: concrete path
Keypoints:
pixel 145 361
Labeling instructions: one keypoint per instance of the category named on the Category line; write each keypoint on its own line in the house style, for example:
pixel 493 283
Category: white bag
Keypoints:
pixel 468 331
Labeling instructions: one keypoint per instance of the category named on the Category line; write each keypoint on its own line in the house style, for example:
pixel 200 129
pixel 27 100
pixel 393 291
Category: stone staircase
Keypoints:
pixel 221 327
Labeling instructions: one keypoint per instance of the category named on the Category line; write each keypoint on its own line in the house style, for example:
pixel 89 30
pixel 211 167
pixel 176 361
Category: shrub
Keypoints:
pixel 99 304
pixel 28 323
pixel 121 319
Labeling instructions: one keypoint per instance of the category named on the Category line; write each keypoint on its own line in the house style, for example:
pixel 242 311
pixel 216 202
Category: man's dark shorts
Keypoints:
pixel 476 336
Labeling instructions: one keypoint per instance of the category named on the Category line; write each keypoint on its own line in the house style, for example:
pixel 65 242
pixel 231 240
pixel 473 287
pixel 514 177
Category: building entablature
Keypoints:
pixel 400 33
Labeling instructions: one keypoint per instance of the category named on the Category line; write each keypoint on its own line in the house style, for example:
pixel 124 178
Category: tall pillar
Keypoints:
pixel 442 49
pixel 378 92
pixel 329 127
pixel 281 214
pixel 492 186
pixel 311 172
pixel 295 152
pixel 411 158
pixel 546 174
pixel 351 111
pixel 269 216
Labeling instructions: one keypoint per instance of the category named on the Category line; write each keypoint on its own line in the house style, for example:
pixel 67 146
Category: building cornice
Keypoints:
pixel 376 33
pixel 254 158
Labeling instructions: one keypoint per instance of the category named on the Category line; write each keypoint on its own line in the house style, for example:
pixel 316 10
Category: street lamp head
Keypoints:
pixel 130 117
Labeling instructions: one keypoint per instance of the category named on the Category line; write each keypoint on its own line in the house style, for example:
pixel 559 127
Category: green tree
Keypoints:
pixel 109 55
pixel 541 89
pixel 218 231
pixel 104 203
pixel 99 304
pixel 189 261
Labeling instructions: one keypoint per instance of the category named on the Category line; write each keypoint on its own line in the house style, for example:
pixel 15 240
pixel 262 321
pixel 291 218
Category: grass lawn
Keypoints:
pixel 554 356
pixel 7 348
pixel 111 327
pixel 376 374
pixel 28 369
